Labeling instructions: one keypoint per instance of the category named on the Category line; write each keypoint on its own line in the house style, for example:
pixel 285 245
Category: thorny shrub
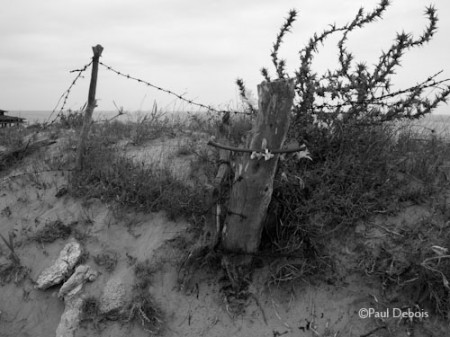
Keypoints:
pixel 363 164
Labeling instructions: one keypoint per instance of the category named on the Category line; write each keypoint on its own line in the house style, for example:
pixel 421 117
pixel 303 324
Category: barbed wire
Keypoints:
pixel 66 94
pixel 170 92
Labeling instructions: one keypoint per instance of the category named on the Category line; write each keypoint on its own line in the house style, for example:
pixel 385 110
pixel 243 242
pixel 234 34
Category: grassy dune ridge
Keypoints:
pixel 373 202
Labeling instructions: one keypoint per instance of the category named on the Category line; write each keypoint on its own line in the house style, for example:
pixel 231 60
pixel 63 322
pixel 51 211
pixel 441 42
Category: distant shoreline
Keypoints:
pixel 439 122
pixel 41 116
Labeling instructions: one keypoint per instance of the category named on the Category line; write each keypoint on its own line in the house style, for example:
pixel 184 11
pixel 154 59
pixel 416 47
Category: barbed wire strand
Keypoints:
pixel 66 94
pixel 170 92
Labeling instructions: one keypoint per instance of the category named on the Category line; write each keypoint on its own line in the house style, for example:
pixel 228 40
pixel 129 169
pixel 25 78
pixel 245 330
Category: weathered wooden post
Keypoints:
pixel 92 103
pixel 213 222
pixel 253 182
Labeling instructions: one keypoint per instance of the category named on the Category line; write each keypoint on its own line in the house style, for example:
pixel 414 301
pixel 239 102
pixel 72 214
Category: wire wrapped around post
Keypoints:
pixel 238 149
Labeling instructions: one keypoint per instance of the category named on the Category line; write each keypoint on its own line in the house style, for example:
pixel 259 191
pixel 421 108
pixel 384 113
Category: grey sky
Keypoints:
pixel 197 48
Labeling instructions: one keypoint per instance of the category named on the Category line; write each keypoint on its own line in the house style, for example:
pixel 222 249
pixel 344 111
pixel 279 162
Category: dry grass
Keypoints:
pixel 141 310
pixel 11 269
pixel 355 176
pixel 109 175
pixel 108 260
pixel 52 231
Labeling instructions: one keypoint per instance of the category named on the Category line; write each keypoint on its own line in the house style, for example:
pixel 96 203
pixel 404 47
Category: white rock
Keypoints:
pixel 116 296
pixel 73 285
pixel 70 319
pixel 62 267
pixel 70 291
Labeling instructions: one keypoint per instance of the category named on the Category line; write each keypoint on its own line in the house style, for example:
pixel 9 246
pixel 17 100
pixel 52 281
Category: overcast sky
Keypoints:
pixel 197 48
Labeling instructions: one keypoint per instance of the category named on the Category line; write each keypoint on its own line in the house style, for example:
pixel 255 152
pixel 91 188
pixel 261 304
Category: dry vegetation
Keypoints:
pixel 346 197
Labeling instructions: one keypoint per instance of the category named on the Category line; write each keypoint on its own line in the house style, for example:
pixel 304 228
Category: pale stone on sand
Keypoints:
pixel 115 297
pixel 70 319
pixel 62 267
pixel 82 274
pixel 73 298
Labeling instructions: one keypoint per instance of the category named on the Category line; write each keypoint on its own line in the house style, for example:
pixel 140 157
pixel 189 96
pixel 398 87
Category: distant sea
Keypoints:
pixel 439 123
pixel 43 116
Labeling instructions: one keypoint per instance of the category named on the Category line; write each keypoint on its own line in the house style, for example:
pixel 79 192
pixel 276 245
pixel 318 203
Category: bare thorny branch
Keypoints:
pixel 285 28
pixel 243 94
pixel 278 64
pixel 353 93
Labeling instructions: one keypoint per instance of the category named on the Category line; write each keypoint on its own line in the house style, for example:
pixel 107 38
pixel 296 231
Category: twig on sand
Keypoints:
pixel 389 231
pixel 278 315
pixel 260 307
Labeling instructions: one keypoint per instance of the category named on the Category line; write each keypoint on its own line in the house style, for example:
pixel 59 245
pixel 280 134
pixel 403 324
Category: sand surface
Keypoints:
pixel 302 308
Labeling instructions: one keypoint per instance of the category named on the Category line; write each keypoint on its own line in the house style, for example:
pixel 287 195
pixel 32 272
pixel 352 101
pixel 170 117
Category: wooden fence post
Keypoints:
pixel 253 182
pixel 213 228
pixel 92 103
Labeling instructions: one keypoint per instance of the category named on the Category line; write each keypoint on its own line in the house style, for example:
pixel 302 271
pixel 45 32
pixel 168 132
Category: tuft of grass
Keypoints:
pixel 148 127
pixel 414 262
pixel 108 260
pixel 71 119
pixel 355 174
pixel 12 270
pixel 52 231
pixel 12 137
pixel 240 130
pixel 112 131
pixel 145 128
pixel 112 177
pixel 10 244
pixel 145 311
pixel 11 140
pixel 90 313
pixel 200 122
pixel 144 272
pixel 185 149
pixel 358 173
pixel 143 308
